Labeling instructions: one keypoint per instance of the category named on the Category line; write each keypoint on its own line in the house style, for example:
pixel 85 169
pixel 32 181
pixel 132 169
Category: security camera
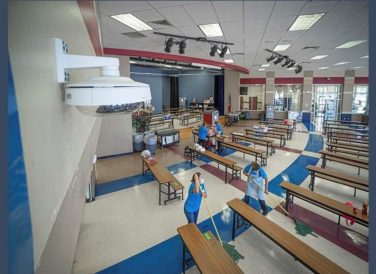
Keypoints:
pixel 102 95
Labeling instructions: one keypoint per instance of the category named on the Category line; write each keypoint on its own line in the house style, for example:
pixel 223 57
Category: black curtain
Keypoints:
pixel 174 92
pixel 219 93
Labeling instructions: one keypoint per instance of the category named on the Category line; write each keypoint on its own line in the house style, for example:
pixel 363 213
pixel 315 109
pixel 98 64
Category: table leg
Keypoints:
pixel 233 225
pixel 225 174
pixel 183 257
pixel 160 190
pixel 312 184
pixel 287 201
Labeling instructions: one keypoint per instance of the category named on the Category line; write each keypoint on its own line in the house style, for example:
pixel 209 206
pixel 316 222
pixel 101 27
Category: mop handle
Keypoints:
pixel 211 217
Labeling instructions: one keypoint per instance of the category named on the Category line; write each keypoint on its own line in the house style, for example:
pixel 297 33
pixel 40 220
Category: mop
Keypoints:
pixel 230 249
pixel 300 227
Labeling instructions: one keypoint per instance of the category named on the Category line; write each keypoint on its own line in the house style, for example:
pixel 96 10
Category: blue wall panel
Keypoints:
pixel 196 84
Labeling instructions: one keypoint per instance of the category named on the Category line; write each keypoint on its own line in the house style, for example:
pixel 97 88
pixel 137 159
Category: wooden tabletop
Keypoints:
pixel 319 199
pixel 160 172
pixel 344 156
pixel 355 147
pixel 240 146
pixel 339 175
pixel 251 137
pixel 209 255
pixel 261 132
pixel 215 157
pixel 359 141
pixel 303 252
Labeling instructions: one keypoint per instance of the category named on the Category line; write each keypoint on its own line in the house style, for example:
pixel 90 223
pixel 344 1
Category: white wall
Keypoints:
pixel 58 141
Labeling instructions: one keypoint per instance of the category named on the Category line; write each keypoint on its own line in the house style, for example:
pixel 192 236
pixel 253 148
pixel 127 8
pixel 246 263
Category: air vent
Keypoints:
pixel 161 22
pixel 311 47
pixel 134 34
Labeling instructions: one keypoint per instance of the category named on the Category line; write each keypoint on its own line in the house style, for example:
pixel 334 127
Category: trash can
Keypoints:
pixel 150 141
pixel 90 194
pixel 138 144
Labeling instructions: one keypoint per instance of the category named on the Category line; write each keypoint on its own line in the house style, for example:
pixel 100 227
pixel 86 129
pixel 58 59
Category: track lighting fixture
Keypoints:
pixel 287 62
pixel 278 60
pixel 223 51
pixel 169 43
pixel 298 69
pixel 182 46
pixel 292 63
pixel 213 50
pixel 271 58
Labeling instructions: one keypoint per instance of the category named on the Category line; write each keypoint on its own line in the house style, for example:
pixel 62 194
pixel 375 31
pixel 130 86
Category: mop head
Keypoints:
pixel 232 252
pixel 303 229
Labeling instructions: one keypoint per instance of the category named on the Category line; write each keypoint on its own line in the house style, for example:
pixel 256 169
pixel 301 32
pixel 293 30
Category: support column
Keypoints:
pixel 269 88
pixel 307 96
pixel 347 98
pixel 232 80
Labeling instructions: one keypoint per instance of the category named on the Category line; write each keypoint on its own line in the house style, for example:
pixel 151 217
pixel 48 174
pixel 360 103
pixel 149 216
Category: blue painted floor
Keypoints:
pixel 315 143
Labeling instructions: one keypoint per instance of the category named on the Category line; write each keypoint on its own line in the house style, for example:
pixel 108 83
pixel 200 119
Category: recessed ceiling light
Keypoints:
pixel 317 57
pixel 306 21
pixel 350 44
pixel 341 63
pixel 261 69
pixel 322 68
pixel 132 21
pixel 281 47
pixel 265 65
pixel 211 30
pixel 229 61
pixel 364 56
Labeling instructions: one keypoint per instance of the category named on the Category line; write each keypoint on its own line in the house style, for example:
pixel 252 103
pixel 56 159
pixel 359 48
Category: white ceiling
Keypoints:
pixel 252 26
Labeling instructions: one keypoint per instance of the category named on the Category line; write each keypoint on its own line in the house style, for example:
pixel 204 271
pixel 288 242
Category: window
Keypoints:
pixel 254 99
pixel 360 98
pixel 287 97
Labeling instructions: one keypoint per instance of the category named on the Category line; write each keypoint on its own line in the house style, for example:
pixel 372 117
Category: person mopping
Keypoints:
pixel 256 180
pixel 195 193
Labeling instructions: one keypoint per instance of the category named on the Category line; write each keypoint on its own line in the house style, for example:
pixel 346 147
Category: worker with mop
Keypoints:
pixel 257 183
pixel 195 193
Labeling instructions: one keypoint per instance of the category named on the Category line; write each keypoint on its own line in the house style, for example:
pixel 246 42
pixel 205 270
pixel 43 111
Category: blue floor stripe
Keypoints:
pixel 315 143
pixel 297 173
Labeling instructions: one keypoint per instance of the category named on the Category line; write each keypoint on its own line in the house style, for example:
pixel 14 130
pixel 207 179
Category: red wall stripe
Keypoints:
pixel 173 57
pixel 250 81
pixel 361 80
pixel 289 80
pixel 88 14
pixel 328 80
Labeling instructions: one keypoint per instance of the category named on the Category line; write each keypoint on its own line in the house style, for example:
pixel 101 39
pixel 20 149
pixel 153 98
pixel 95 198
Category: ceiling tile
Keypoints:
pixel 119 7
pixel 165 4
pixel 177 16
pixel 255 26
pixel 318 6
pixel 232 28
pixel 228 11
pixel 287 8
pixel 257 9
pixel 202 13
pixel 148 15
pixel 277 24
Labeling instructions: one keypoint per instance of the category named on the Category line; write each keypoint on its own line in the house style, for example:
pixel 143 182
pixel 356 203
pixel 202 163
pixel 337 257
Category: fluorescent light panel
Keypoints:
pixel 132 21
pixel 229 61
pixel 322 68
pixel 211 30
pixel 304 22
pixel 350 44
pixel 281 47
pixel 341 63
pixel 359 67
pixel 364 57
pixel 318 57
pixel 265 65
pixel 261 69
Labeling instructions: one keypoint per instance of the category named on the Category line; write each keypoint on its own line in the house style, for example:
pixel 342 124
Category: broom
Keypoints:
pixel 230 249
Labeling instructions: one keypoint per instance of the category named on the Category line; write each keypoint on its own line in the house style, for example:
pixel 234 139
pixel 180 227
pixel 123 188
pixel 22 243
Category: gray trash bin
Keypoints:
pixel 150 141
pixel 138 144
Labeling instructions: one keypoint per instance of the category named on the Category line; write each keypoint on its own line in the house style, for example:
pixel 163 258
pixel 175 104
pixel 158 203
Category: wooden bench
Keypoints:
pixel 164 177
pixel 206 251
pixel 335 139
pixel 210 137
pixel 255 140
pixel 323 202
pixel 259 154
pixel 302 252
pixel 277 129
pixel 275 135
pixel 357 136
pixel 227 163
pixel 336 177
pixel 346 150
pixel 352 147
pixel 160 121
pixel 185 118
pixel 343 159
pixel 288 129
pixel 280 122
pixel 340 126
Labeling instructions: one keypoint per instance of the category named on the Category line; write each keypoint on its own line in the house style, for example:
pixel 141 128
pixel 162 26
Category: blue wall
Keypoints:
pixel 199 85
pixel 159 82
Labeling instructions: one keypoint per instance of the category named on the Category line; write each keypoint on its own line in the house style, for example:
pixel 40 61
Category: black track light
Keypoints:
pixel 278 60
pixel 182 46
pixel 298 69
pixel 169 43
pixel 287 62
pixel 213 50
pixel 271 58
pixel 292 63
pixel 223 51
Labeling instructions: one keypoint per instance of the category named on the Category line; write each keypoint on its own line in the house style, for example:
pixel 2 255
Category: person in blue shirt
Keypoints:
pixel 218 128
pixel 196 191
pixel 202 134
pixel 257 182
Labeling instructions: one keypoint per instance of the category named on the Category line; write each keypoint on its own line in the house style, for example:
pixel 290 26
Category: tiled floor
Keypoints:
pixel 127 226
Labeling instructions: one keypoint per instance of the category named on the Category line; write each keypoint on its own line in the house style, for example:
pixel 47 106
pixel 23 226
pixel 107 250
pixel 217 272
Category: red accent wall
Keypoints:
pixel 361 80
pixel 328 80
pixel 250 81
pixel 288 80
pixel 87 9
pixel 173 57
